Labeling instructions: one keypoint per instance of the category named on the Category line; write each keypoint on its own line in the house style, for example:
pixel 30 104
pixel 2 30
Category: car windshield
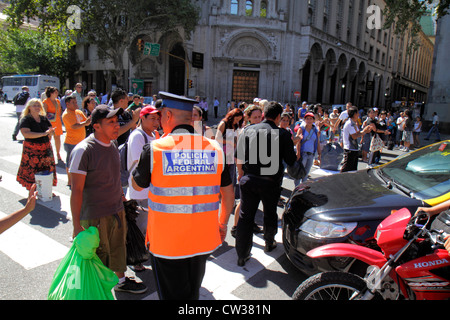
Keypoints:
pixel 425 174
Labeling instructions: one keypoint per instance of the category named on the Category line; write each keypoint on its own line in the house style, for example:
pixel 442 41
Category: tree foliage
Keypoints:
pixel 406 15
pixel 29 51
pixel 111 25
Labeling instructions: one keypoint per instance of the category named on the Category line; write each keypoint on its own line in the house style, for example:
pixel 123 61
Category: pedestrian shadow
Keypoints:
pixel 46 217
pixel 287 281
pixel 9 115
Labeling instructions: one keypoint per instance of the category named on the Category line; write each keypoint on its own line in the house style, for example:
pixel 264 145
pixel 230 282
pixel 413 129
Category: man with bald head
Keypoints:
pixel 186 176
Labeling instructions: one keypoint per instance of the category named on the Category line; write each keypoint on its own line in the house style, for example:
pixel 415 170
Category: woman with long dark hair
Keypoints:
pixel 408 138
pixel 52 107
pixel 226 135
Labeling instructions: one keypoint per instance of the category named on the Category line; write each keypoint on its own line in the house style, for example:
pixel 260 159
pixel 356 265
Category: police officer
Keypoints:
pixel 260 153
pixel 186 175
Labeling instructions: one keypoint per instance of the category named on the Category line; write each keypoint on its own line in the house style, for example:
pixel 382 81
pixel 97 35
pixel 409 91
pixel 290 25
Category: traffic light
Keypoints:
pixel 191 85
pixel 140 44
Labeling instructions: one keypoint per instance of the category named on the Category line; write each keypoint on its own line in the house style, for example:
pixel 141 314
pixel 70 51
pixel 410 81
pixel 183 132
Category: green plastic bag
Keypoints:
pixel 81 275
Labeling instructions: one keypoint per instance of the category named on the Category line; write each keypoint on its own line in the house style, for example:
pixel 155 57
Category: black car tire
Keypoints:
pixel 325 286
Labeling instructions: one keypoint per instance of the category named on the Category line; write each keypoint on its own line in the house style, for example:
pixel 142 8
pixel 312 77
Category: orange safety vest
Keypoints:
pixel 183 218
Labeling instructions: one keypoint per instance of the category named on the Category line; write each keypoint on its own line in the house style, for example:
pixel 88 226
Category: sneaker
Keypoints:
pixel 130 286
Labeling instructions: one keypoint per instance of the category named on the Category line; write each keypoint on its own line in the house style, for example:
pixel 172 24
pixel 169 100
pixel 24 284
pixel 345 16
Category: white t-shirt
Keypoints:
pixel 350 128
pixel 136 143
pixel 401 123
pixel 435 120
pixel 343 116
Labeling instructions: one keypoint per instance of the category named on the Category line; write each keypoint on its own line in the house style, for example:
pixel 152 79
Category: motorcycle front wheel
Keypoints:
pixel 330 286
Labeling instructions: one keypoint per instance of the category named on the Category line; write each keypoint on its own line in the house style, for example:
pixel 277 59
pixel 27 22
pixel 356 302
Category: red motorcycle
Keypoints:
pixel 413 265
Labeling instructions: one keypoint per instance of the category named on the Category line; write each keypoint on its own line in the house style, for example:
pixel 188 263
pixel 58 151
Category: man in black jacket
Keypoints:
pixel 260 153
pixel 20 101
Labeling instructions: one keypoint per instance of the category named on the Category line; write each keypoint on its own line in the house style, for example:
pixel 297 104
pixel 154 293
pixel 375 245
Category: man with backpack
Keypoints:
pixel 142 135
pixel 20 101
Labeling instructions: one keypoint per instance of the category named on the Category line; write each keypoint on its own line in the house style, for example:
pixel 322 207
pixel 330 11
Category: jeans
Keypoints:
pixel 17 128
pixel 307 161
pixel 434 129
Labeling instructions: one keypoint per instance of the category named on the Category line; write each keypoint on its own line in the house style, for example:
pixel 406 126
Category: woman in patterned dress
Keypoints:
pixel 37 154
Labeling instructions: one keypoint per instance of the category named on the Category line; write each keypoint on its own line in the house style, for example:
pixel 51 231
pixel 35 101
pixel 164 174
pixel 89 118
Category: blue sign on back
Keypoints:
pixel 189 162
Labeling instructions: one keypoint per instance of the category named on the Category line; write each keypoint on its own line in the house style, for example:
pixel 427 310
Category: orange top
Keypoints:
pixel 183 219
pixel 74 136
pixel 50 107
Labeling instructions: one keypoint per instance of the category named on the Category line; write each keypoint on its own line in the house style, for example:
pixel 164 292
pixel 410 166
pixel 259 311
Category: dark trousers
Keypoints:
pixel 179 279
pixel 350 161
pixel 17 127
pixel 253 190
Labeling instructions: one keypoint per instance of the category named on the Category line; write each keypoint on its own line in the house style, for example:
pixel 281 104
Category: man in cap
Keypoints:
pixel 96 198
pixel 20 101
pixel 186 175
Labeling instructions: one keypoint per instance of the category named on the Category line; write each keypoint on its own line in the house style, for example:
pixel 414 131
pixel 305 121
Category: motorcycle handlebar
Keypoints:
pixel 422 215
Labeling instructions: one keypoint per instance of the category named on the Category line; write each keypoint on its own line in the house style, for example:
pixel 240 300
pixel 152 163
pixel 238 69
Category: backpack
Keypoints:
pixel 123 154
pixel 21 98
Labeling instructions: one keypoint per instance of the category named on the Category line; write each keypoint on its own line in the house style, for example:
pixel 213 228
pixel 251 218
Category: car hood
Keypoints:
pixel 355 196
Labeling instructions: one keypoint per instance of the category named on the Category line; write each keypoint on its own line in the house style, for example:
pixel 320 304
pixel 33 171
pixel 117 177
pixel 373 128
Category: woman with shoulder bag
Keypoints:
pixel 52 107
pixel 376 143
pixel 408 138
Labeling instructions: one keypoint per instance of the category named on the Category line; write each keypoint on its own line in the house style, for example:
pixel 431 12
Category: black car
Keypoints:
pixel 348 207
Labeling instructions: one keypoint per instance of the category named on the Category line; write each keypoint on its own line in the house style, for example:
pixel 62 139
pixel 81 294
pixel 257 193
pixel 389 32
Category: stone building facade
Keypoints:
pixel 271 49
pixel 439 97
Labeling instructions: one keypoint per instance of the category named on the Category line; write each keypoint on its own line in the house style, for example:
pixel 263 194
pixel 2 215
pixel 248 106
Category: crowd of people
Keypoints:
pixel 96 128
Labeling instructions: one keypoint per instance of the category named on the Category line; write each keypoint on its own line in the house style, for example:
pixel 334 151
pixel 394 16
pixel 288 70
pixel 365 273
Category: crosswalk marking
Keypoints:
pixel 222 275
pixel 29 247
pixel 60 203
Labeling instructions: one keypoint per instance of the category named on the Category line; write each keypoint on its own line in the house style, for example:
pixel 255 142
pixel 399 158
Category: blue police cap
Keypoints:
pixel 174 101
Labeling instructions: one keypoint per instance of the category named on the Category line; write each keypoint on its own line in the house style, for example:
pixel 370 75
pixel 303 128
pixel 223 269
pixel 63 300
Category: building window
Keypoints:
pixel 234 7
pixel 249 8
pixel 263 13
pixel 86 51
pixel 311 11
pixel 310 16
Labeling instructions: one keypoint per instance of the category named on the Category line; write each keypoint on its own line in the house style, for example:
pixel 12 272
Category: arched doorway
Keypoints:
pixel 306 72
pixel 177 70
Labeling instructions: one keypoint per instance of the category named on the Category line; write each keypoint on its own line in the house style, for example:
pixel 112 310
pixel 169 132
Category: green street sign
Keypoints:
pixel 137 86
pixel 147 48
pixel 152 49
pixel 155 48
